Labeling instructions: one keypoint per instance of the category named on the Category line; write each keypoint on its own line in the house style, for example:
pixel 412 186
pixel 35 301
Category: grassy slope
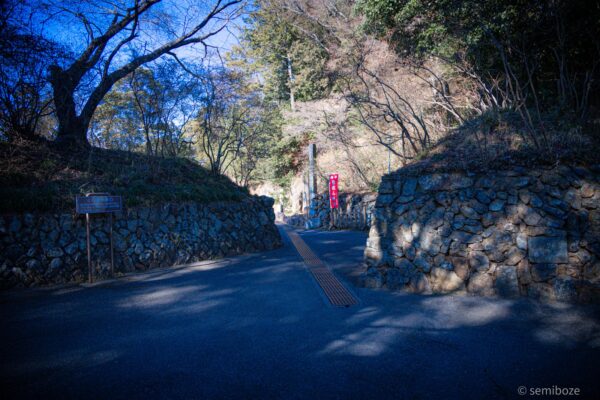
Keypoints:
pixel 40 177
pixel 485 143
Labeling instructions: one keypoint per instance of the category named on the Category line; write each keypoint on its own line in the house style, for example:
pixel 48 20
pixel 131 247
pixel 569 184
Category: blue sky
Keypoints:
pixel 164 21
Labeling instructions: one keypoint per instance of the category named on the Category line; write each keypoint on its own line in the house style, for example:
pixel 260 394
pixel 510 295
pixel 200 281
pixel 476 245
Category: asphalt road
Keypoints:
pixel 257 326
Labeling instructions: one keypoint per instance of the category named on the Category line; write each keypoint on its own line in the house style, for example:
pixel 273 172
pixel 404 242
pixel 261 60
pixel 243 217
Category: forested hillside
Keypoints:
pixel 443 84
pixel 240 88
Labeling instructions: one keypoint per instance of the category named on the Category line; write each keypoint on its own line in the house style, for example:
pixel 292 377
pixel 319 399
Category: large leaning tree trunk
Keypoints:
pixel 103 48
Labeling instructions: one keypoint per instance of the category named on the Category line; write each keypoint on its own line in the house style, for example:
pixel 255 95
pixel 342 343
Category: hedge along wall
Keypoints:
pixel 354 212
pixel 511 233
pixel 38 249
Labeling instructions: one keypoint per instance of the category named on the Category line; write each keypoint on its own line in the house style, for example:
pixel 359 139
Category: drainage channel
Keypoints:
pixel 337 294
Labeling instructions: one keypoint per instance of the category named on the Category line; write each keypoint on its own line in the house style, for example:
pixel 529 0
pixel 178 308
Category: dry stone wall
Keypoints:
pixel 40 249
pixel 354 212
pixel 509 233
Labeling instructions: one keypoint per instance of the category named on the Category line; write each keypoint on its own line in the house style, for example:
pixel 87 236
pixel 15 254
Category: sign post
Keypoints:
pixel 89 251
pixel 98 203
pixel 312 179
pixel 112 247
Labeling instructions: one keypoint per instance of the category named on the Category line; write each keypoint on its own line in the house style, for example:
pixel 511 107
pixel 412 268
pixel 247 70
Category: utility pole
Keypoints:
pixel 312 182
pixel 313 219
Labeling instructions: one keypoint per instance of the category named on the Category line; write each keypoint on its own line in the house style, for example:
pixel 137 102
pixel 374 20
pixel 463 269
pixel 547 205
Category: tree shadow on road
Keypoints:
pixel 257 327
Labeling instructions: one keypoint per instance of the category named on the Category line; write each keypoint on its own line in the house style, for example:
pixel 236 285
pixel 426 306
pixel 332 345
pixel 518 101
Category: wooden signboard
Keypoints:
pixel 98 203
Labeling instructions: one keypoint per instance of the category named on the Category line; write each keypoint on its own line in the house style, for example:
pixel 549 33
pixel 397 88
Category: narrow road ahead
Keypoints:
pixel 258 326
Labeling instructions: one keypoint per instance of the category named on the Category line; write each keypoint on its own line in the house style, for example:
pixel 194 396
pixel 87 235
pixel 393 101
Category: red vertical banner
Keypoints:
pixel 333 190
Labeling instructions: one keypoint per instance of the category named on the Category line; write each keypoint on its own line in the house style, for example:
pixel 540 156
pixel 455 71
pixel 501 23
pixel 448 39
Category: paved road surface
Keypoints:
pixel 257 326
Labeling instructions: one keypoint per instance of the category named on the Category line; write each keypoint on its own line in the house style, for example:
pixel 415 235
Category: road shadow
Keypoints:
pixel 257 327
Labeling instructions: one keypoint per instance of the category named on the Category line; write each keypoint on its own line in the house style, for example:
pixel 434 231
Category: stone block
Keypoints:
pixel 591 203
pixel 521 241
pixel 496 205
pixel 443 199
pixel 401 209
pixel 473 228
pixel 409 187
pixel 436 218
pixel 34 265
pixel 55 265
pixel 514 256
pixel 373 256
pixel 410 253
pixel 386 187
pixel 543 272
pixel 524 196
pixel 384 200
pixel 507 284
pixel 519 182
pixel 465 237
pixel 461 267
pixel 458 181
pixel 531 218
pixel 544 249
pixel 312 223
pixel 479 261
pixel 536 201
pixel 396 250
pixel 541 291
pixel 404 266
pixel 469 212
pixel 372 278
pixel 432 182
pixel 523 272
pixel 587 190
pixel 445 281
pixel 404 199
pixel 481 284
pixel 422 263
pixel 54 252
pixel 419 284
pixel 483 197
pixel 395 279
pixel 488 220
pixel 486 182
pixel 430 241
pixel 565 290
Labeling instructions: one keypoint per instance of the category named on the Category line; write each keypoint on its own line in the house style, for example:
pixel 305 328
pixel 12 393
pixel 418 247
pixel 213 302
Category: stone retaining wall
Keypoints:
pixel 354 212
pixel 510 233
pixel 39 249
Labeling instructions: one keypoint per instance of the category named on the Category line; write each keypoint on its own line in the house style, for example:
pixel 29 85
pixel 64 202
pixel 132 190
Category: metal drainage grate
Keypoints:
pixel 336 293
pixel 307 254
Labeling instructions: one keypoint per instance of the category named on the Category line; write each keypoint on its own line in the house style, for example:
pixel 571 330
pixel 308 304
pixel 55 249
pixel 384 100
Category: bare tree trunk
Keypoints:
pixel 291 79
pixel 72 129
